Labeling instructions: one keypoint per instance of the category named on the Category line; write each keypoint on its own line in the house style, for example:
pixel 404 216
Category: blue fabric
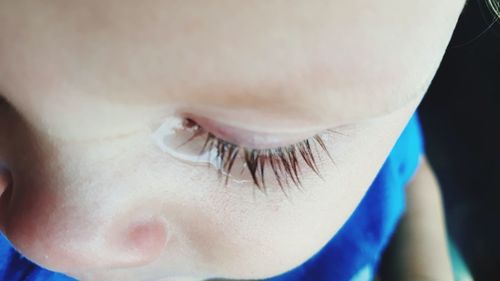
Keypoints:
pixel 353 251
pixel 15 267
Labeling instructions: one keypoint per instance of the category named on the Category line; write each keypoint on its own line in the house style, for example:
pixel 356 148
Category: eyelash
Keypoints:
pixel 284 162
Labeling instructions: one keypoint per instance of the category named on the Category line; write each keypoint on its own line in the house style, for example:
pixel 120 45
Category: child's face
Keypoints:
pixel 94 197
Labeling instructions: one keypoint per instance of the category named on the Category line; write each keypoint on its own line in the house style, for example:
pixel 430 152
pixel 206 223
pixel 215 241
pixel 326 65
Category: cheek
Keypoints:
pixel 268 237
pixel 219 232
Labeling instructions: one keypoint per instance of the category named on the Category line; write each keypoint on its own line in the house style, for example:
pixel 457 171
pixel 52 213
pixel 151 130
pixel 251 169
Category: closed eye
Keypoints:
pixel 284 163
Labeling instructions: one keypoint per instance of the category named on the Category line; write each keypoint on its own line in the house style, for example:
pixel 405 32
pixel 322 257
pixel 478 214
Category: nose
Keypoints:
pixel 137 243
pixel 130 241
pixel 72 240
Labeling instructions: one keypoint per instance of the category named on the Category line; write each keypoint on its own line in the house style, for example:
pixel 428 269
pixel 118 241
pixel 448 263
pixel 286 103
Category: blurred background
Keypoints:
pixel 461 121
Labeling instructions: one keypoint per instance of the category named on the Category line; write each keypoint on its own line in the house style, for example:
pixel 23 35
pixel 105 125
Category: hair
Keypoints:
pixel 494 6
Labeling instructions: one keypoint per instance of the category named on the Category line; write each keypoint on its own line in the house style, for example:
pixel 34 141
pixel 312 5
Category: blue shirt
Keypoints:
pixel 351 255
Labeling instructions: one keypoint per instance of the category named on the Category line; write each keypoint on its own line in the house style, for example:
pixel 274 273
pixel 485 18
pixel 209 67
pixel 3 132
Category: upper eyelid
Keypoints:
pixel 283 161
pixel 247 138
pixel 253 118
pixel 190 142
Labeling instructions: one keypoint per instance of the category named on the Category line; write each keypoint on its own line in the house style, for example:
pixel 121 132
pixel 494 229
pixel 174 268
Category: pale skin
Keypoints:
pixel 90 194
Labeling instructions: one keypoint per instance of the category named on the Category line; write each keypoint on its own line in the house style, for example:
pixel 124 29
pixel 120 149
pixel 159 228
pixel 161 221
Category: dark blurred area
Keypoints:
pixel 461 120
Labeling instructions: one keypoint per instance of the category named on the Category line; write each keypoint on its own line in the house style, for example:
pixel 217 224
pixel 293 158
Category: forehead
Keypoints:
pixel 340 59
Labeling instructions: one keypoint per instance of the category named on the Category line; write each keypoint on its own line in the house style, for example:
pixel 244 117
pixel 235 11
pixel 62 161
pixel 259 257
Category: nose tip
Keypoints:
pixel 144 241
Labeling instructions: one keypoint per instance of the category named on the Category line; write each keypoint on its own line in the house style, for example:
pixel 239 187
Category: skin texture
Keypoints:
pixel 86 81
